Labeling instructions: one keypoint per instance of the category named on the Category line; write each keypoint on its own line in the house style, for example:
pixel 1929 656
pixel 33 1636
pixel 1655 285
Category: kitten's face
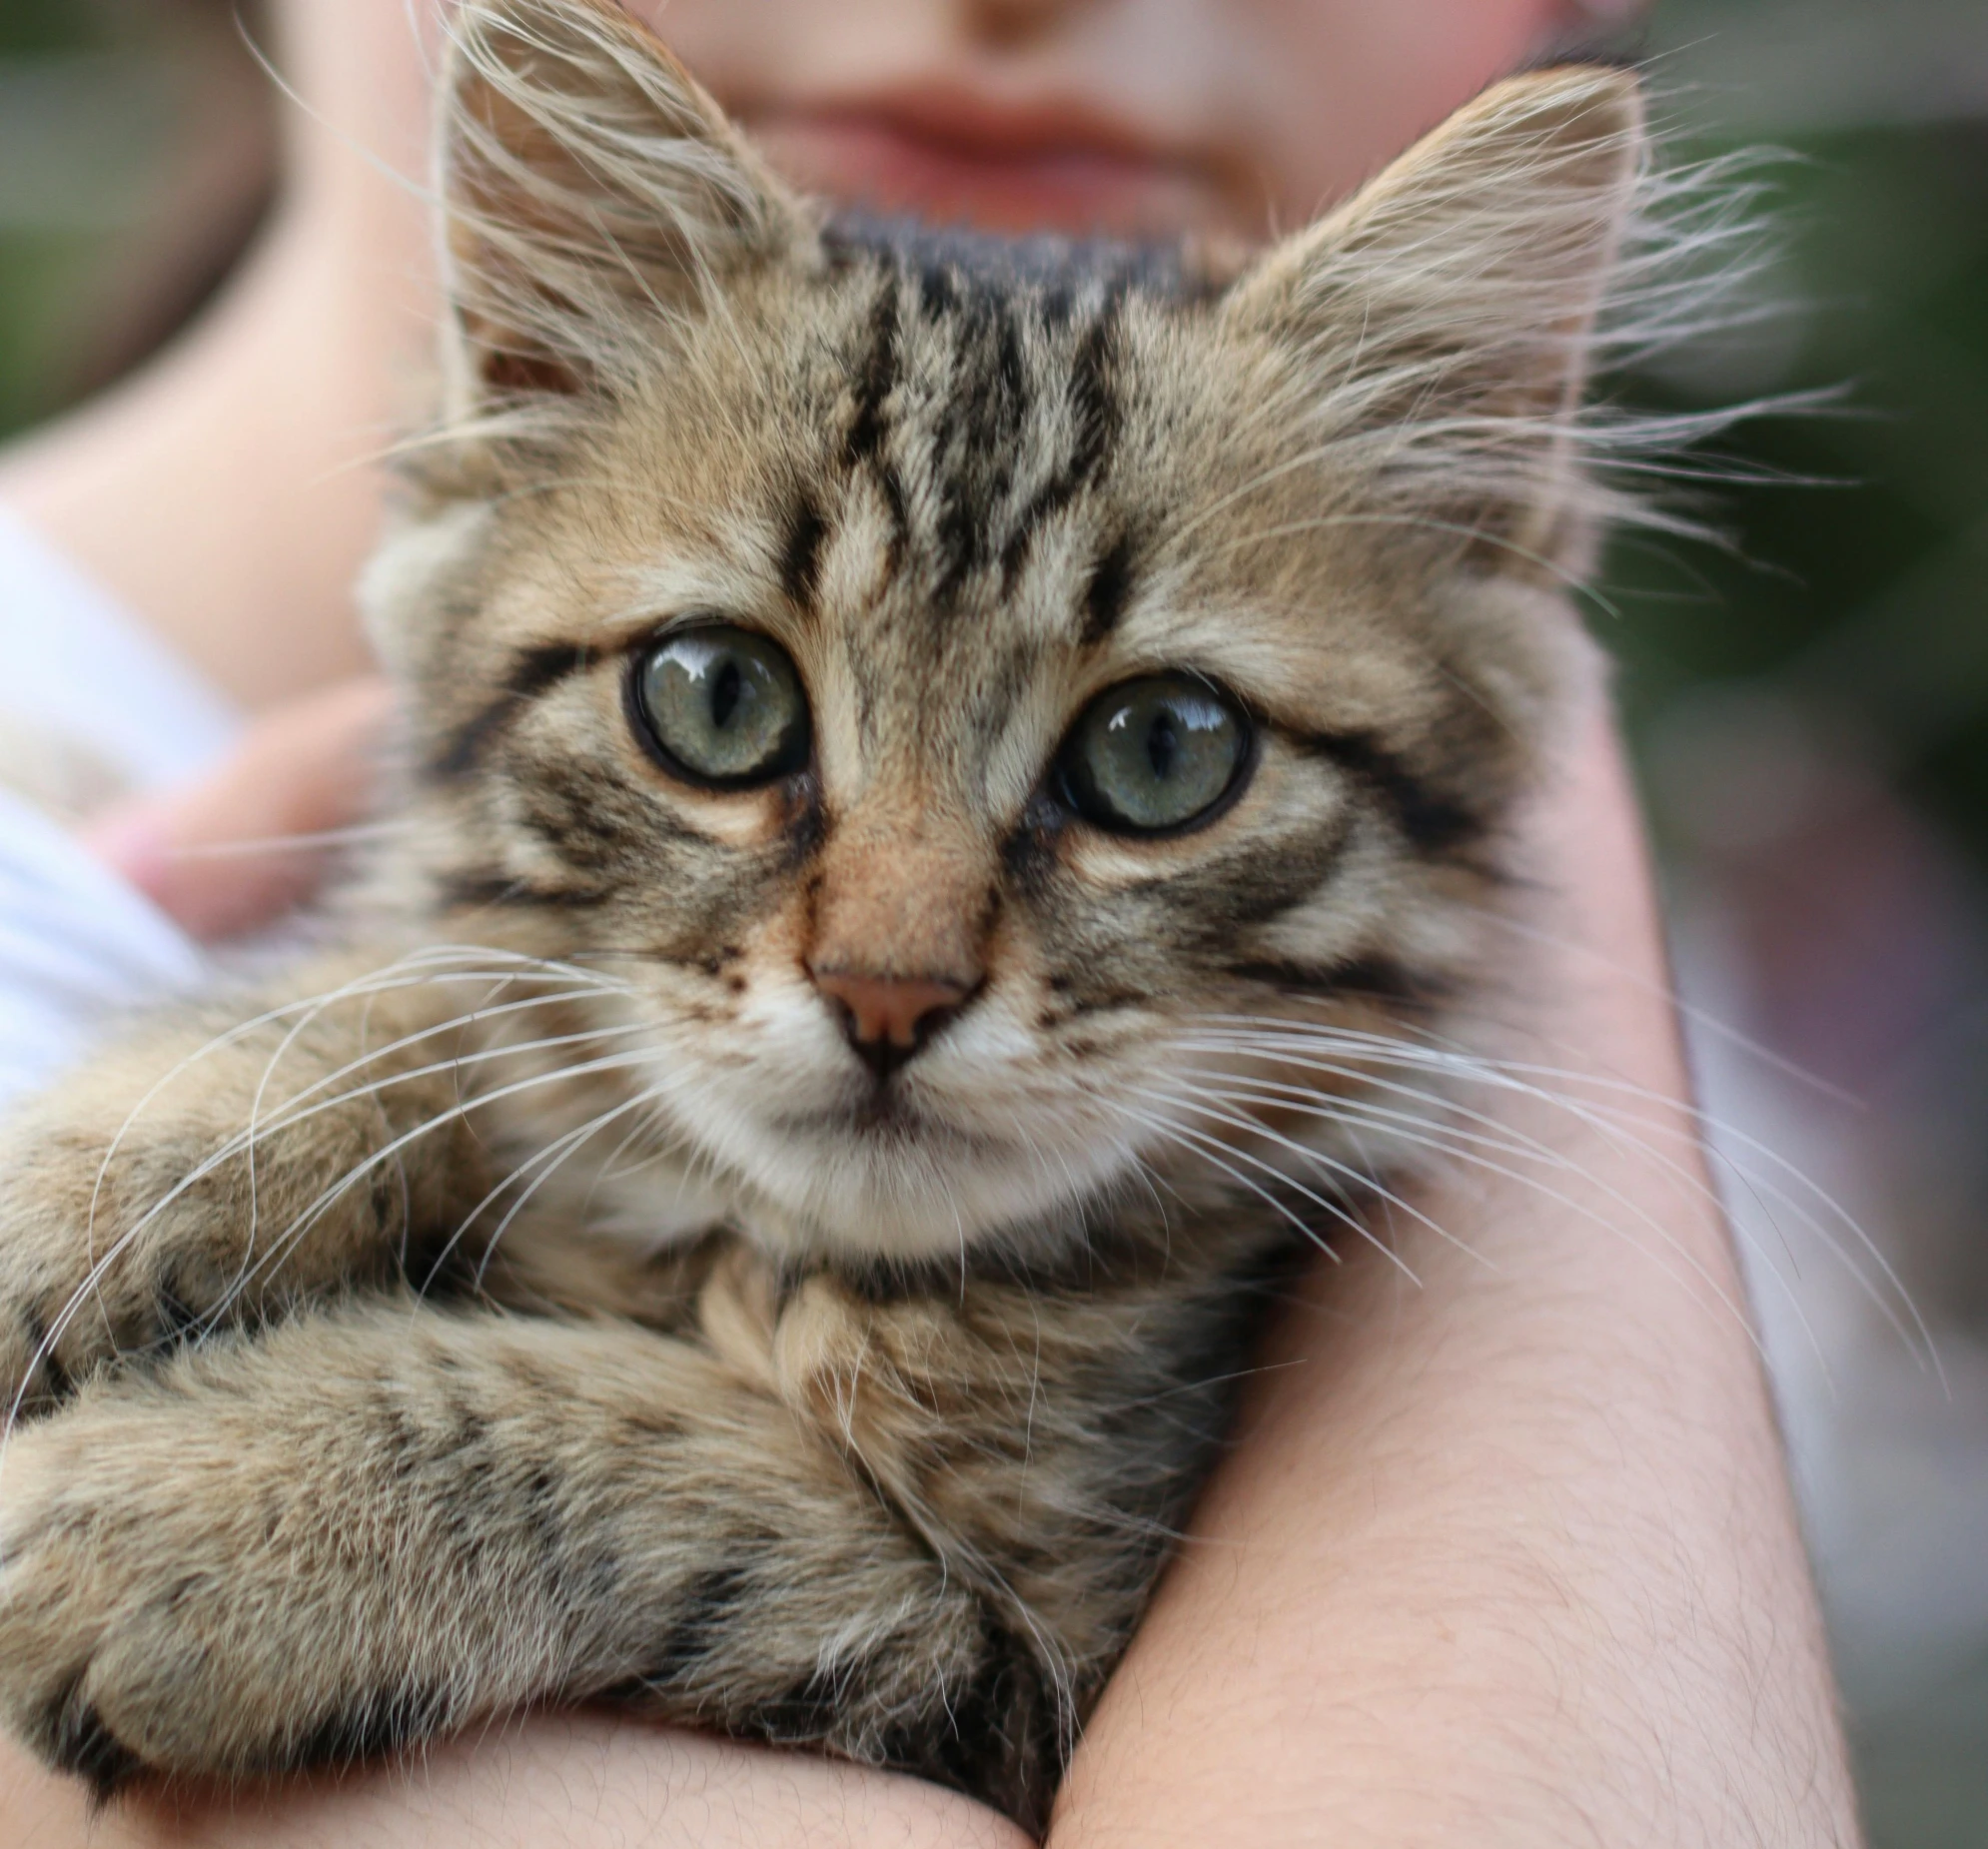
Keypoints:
pixel 946 698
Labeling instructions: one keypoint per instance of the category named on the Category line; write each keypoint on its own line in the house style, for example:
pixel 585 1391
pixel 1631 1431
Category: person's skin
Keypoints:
pixel 1506 1556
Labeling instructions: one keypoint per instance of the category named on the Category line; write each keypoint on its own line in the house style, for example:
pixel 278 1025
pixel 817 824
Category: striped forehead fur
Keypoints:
pixel 596 194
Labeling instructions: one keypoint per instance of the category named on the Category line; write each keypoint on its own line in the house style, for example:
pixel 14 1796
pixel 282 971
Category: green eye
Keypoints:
pixel 1155 754
pixel 721 705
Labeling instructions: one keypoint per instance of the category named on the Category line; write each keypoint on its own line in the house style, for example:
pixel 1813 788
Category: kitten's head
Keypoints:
pixel 948 684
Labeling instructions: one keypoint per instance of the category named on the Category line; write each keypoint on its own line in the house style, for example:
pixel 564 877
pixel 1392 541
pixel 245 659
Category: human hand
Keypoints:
pixel 252 838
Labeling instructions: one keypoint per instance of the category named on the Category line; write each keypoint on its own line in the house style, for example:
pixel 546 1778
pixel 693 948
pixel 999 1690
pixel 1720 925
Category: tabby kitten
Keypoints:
pixel 932 766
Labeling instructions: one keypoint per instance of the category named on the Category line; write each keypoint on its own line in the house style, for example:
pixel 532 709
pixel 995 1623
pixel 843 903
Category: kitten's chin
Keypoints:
pixel 882 1180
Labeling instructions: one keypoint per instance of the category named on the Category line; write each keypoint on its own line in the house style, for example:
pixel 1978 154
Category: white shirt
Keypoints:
pixel 77 945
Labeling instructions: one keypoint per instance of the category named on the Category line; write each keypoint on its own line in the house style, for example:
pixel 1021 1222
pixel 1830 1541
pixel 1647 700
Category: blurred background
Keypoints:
pixel 1808 705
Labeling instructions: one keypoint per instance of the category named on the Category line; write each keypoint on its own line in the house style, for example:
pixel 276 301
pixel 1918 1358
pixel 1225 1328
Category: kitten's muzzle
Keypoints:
pixel 888 1018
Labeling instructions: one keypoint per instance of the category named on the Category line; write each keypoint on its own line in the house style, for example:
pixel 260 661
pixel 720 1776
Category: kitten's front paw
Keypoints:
pixel 101 1610
pixel 140 1631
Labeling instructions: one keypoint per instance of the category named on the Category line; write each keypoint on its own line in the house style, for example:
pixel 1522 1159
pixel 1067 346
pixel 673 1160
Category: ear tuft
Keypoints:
pixel 593 193
pixel 1448 309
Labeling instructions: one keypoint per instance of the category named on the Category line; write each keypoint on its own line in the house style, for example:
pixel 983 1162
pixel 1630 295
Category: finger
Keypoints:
pixel 247 842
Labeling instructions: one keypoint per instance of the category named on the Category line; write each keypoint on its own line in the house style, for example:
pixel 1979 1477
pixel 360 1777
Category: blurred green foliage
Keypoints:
pixel 48 255
pixel 28 27
pixel 1860 582
pixel 39 271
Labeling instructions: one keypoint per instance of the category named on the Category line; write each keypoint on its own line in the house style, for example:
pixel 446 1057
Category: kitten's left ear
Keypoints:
pixel 593 193
pixel 1448 310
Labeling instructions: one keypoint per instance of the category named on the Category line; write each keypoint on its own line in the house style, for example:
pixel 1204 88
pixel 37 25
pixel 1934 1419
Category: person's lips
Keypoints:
pixel 951 156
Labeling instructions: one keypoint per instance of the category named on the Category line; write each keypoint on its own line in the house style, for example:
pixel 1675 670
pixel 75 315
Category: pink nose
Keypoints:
pixel 893 1011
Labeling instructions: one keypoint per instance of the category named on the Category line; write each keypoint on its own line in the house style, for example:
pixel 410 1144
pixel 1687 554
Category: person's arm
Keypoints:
pixel 579 1781
pixel 1506 1556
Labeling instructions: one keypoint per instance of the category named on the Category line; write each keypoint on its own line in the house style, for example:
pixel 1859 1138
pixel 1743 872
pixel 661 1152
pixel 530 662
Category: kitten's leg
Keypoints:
pixel 203 1170
pixel 359 1528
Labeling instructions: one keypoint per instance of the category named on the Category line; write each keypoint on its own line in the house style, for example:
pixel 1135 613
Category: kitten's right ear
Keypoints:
pixel 1448 312
pixel 593 193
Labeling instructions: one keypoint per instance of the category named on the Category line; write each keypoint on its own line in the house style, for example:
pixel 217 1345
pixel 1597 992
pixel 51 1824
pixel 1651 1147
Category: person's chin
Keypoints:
pixel 1076 192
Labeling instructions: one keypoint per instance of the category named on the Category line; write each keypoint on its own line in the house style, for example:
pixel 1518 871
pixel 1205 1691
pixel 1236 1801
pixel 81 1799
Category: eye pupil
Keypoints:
pixel 1156 754
pixel 721 705
pixel 725 689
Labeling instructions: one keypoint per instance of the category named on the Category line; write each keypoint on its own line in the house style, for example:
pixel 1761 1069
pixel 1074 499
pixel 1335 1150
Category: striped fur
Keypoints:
pixel 535 1298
